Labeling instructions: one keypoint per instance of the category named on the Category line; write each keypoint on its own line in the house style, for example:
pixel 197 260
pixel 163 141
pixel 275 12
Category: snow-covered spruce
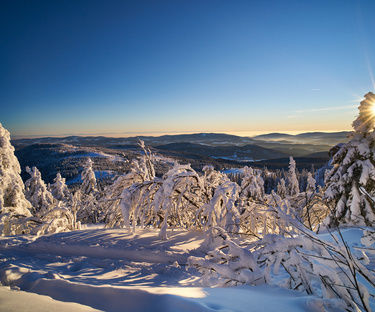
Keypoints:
pixel 14 207
pixel 293 185
pixel 88 185
pixel 353 170
pixel 281 188
pixel 311 183
pixel 252 185
pixel 59 189
pixel 89 210
pixel 37 193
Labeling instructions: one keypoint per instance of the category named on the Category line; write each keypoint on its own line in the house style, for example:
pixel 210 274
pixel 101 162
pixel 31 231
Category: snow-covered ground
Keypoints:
pixel 115 270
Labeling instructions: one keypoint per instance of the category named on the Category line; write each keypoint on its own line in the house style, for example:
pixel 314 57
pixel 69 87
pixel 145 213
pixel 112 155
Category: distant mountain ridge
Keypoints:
pixel 320 138
pixel 329 138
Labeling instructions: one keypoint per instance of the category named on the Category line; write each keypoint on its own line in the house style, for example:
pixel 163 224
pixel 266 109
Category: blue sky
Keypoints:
pixel 149 67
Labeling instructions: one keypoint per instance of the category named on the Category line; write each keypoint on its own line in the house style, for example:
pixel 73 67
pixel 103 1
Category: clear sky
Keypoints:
pixel 138 67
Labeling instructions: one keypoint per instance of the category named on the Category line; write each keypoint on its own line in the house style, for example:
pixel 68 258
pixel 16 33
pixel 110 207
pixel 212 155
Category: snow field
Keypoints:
pixel 116 270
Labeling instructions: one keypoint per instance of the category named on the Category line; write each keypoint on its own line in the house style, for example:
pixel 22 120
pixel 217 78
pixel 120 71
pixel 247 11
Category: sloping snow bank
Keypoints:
pixel 116 299
pixel 15 301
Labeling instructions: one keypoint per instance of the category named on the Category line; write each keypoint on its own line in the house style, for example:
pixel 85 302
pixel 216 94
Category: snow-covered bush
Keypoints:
pixel 297 259
pixel 58 219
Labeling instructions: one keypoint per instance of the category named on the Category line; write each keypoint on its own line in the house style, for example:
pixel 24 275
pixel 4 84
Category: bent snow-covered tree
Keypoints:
pixel 351 181
pixel 13 204
pixel 170 201
pixel 141 175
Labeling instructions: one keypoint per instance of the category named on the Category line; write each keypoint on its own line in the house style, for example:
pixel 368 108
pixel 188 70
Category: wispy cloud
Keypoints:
pixel 315 89
pixel 322 109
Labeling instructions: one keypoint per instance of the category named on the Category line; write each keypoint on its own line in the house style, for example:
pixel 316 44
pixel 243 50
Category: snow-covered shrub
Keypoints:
pixel 353 169
pixel 58 219
pixel 297 259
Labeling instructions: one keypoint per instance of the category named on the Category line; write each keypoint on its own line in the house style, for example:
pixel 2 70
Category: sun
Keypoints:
pixel 372 109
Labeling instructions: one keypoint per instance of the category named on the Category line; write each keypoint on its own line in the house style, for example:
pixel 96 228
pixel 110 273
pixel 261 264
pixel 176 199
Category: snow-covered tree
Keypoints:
pixel 13 204
pixel 89 185
pixel 222 210
pixel 177 199
pixel 311 183
pixel 147 162
pixel 350 184
pixel 293 184
pixel 37 193
pixel 281 188
pixel 141 175
pixel 252 185
pixel 365 121
pixel 59 189
pixel 89 209
pixel 11 185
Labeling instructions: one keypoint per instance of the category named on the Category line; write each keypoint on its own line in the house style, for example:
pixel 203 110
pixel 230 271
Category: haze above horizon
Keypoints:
pixel 149 68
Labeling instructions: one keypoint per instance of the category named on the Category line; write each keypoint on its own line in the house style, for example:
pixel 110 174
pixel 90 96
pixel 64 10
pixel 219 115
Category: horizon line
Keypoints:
pixel 132 134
